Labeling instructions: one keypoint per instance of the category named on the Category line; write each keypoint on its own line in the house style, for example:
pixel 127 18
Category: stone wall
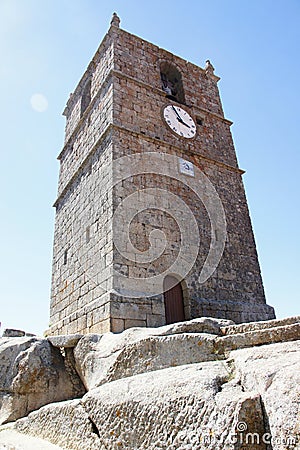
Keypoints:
pixel 82 249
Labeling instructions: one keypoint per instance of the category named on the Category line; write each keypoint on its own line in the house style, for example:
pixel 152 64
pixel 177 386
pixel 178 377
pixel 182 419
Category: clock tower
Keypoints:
pixel 152 224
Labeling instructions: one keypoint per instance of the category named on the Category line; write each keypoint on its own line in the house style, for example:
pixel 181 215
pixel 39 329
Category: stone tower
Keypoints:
pixel 152 224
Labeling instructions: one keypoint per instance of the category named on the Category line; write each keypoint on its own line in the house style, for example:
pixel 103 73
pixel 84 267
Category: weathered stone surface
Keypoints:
pixel 107 357
pixel 176 408
pixel 274 372
pixel 64 340
pixel 256 326
pixel 201 325
pixel 165 391
pixel 66 424
pixel 158 352
pixel 11 439
pixel 32 374
pixel 123 410
pixel 258 337
pixel 11 332
pixel 171 408
pixel 102 358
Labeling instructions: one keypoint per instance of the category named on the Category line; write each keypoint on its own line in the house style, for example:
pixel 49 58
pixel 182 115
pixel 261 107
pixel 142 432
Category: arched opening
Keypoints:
pixel 173 298
pixel 171 82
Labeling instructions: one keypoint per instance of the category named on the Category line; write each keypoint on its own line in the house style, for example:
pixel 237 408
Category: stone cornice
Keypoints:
pixel 180 148
pixel 145 137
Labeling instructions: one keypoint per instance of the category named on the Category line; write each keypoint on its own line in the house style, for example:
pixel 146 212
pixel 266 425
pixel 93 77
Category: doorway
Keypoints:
pixel 173 297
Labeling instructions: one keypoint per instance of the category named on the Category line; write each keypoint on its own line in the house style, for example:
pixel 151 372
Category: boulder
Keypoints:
pixel 66 424
pixel 184 407
pixel 274 372
pixel 107 357
pixel 11 332
pixel 257 326
pixel 97 366
pixel 203 384
pixel 271 335
pixel 13 440
pixel 65 340
pixel 201 325
pixel 32 374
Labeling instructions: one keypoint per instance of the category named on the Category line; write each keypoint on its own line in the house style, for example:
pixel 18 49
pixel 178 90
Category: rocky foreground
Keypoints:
pixel 202 384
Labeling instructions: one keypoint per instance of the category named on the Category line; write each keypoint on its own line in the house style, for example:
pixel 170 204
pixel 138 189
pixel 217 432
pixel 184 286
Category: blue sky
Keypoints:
pixel 46 45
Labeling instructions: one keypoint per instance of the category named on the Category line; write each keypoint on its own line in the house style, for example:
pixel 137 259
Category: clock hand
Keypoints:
pixel 179 118
pixel 176 112
pixel 183 123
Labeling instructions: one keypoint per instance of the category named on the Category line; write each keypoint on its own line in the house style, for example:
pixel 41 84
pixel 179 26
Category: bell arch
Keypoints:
pixel 171 82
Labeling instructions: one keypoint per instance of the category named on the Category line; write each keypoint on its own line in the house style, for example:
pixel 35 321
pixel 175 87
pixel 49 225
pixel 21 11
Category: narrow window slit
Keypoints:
pixel 65 257
pixel 87 235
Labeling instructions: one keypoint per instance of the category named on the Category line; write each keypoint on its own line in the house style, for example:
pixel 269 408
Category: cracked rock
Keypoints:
pixel 32 374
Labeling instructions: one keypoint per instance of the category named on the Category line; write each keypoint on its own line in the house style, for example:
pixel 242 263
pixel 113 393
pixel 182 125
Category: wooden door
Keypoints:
pixel 173 297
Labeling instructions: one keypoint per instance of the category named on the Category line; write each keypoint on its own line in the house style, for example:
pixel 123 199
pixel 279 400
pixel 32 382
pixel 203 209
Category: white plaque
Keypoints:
pixel 186 167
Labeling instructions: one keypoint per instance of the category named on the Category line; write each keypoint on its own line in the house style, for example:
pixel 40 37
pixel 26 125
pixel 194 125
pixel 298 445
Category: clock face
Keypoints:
pixel 179 121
